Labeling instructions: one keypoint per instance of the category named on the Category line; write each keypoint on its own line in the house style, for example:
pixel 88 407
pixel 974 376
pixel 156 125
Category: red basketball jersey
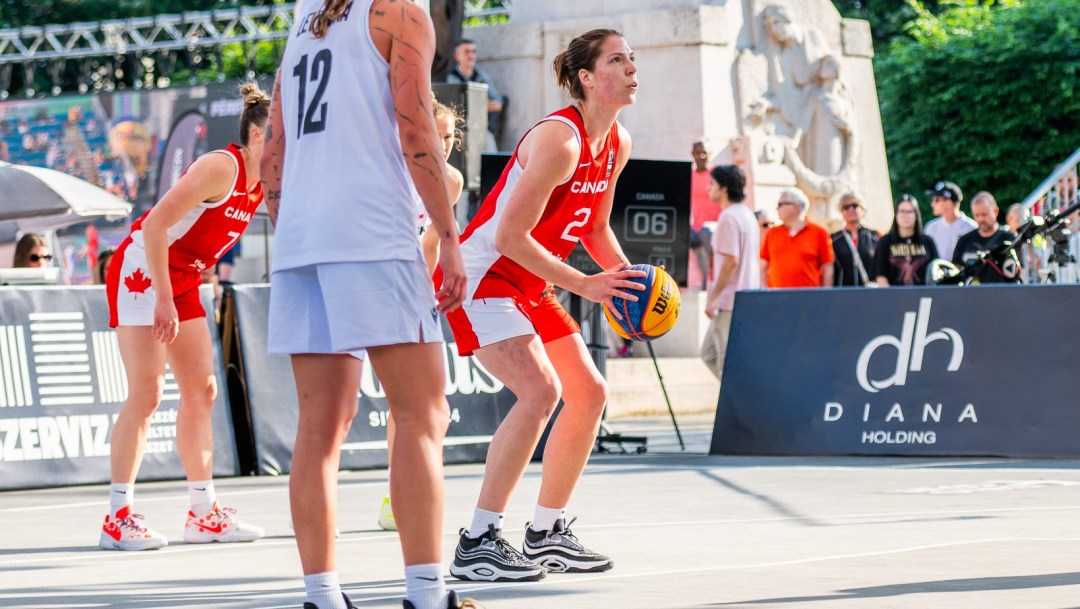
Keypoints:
pixel 205 233
pixel 570 210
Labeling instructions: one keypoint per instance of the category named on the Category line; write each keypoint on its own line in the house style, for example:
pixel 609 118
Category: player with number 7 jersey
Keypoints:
pixel 153 293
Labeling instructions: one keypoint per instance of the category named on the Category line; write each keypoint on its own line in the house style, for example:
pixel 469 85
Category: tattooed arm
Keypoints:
pixel 403 33
pixel 273 158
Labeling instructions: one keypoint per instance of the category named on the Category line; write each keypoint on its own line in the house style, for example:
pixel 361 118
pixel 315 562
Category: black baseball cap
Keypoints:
pixel 947 190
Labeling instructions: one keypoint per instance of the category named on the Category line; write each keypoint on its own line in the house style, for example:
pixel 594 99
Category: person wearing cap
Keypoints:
pixel 987 237
pixel 950 223
pixel 853 245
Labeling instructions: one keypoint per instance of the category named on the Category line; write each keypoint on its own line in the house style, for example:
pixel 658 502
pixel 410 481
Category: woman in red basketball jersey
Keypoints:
pixel 556 190
pixel 153 290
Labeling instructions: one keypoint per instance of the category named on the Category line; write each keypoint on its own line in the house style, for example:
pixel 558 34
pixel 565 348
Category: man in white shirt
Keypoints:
pixel 735 259
pixel 951 223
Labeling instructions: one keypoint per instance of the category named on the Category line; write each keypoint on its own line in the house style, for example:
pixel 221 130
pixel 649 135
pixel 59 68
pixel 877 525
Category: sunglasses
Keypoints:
pixel 37 258
pixel 851 206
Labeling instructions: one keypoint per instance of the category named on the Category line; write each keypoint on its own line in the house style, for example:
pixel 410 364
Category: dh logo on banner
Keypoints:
pixel 910 347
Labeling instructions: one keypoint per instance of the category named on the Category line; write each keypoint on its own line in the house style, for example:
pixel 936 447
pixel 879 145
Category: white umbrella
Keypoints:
pixel 35 199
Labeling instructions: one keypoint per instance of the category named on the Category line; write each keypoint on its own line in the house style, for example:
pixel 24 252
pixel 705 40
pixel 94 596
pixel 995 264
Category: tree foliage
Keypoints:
pixel 982 95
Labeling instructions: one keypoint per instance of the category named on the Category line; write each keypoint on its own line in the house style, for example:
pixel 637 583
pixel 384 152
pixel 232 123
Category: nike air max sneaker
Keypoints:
pixel 124 531
pixel 491 558
pixel 559 550
pixel 220 525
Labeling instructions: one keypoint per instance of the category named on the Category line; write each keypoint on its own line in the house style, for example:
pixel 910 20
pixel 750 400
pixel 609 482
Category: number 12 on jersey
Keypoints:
pixel 307 121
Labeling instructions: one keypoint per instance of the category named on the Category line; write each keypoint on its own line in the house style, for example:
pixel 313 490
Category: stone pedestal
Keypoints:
pixel 702 65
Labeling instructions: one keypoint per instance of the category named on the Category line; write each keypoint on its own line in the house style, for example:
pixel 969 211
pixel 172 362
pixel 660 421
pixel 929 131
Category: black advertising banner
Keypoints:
pixel 650 214
pixel 62 385
pixel 478 402
pixel 974 371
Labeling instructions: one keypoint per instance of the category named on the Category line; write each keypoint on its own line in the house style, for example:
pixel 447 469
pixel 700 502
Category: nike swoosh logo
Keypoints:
pixel 211 529
pixel 584 164
pixel 121 492
pixel 199 489
pixel 428 579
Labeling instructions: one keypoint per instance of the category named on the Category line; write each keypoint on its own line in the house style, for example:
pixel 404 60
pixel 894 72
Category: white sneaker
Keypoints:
pixel 123 531
pixel 386 516
pixel 220 525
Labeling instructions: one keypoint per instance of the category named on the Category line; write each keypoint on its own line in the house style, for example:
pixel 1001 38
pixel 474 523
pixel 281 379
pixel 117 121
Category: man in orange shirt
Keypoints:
pixel 796 253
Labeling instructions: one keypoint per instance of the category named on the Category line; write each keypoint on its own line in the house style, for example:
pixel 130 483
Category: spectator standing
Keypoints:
pixel 735 246
pixel 903 255
pixel 703 210
pixel 796 253
pixel 467 71
pixel 853 245
pixel 951 222
pixel 987 237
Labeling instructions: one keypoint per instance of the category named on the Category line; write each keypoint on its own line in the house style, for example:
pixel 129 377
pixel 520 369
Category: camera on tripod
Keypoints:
pixel 1054 226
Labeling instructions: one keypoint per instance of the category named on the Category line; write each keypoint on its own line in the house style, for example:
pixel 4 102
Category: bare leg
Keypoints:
pixel 421 415
pixel 191 359
pixel 523 366
pixel 144 363
pixel 326 389
pixel 574 433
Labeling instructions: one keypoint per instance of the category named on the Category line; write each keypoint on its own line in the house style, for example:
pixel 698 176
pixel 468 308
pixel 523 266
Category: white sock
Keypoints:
pixel 425 587
pixel 120 496
pixel 545 518
pixel 324 590
pixel 202 496
pixel 480 521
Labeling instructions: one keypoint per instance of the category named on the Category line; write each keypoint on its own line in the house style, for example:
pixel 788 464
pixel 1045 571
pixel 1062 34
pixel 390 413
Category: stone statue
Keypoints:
pixel 806 111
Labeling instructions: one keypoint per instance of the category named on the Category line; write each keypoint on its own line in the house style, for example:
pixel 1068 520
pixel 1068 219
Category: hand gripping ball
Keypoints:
pixel 655 311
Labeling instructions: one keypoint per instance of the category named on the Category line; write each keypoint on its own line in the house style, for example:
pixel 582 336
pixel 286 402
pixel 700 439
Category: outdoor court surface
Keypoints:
pixel 685 530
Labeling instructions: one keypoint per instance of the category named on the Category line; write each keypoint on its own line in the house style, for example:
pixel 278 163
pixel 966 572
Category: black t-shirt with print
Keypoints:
pixel 970 244
pixel 904 260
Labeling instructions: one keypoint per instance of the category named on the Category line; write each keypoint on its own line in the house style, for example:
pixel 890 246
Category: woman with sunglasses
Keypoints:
pixel 903 255
pixel 32 252
pixel 153 291
pixel 853 245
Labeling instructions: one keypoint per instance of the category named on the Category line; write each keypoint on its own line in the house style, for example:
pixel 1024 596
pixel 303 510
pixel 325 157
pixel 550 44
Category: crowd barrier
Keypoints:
pixel 974 371
pixel 62 385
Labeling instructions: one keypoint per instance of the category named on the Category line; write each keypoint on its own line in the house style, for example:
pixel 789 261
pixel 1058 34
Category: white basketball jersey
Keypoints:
pixel 346 192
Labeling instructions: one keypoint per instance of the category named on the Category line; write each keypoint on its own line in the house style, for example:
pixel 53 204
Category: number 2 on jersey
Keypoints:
pixel 320 73
pixel 584 213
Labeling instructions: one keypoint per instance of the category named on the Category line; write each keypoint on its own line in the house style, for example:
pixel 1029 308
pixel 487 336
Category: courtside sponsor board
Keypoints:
pixel 902 371
pixel 62 384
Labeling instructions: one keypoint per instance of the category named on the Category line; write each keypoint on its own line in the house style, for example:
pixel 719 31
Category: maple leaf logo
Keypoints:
pixel 137 283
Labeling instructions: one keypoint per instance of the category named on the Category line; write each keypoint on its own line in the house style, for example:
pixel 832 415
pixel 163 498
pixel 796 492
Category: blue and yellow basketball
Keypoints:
pixel 655 311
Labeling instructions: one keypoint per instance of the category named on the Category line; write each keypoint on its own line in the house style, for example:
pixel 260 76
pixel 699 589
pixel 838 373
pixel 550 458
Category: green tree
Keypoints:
pixel 983 95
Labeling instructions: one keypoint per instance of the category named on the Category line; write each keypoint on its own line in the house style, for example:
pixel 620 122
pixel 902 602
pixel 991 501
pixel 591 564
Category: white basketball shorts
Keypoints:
pixel 345 307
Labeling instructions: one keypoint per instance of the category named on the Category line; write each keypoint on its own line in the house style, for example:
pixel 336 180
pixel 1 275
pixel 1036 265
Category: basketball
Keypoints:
pixel 656 310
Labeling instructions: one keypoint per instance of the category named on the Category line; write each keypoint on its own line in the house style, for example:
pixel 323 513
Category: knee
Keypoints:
pixel 202 395
pixel 590 397
pixel 433 420
pixel 543 397
pixel 143 398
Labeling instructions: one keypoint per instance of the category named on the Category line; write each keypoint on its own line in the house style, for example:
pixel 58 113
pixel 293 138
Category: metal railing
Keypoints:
pixel 1053 258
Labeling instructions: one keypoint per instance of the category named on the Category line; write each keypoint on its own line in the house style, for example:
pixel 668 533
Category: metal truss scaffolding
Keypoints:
pixel 139 43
